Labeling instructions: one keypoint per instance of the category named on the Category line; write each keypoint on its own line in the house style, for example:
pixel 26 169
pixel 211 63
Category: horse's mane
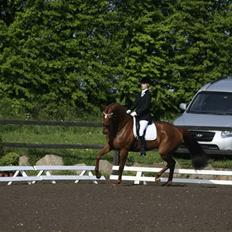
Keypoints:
pixel 118 118
pixel 116 108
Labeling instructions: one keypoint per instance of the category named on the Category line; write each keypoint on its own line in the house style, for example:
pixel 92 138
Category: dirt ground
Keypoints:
pixel 68 207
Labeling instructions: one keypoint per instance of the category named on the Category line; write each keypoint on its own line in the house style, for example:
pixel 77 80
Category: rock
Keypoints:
pixel 50 160
pixel 105 167
pixel 23 161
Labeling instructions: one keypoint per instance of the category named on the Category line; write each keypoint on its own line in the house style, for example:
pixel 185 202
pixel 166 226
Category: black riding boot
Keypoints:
pixel 143 145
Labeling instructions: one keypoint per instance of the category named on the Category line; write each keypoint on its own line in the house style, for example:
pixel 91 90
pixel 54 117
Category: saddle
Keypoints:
pixel 150 132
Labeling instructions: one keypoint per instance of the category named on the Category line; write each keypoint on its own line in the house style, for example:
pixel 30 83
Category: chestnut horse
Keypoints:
pixel 118 128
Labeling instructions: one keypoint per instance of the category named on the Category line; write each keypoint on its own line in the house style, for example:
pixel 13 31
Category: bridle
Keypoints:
pixel 109 115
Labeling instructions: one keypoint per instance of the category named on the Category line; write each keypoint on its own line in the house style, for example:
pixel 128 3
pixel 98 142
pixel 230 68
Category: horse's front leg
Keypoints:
pixel 123 157
pixel 102 152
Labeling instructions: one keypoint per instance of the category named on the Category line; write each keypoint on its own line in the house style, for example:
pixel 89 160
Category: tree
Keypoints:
pixel 173 43
pixel 61 58
pixel 63 55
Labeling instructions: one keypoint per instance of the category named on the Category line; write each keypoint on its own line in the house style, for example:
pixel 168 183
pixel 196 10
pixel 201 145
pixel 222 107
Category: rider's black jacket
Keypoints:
pixel 142 106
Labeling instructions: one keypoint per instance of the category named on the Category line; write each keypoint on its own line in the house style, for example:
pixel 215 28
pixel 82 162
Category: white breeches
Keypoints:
pixel 142 127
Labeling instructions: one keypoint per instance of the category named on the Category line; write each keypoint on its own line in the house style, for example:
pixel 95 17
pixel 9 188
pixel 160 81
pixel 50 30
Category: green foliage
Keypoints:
pixel 56 64
pixel 179 46
pixel 60 59
pixel 12 108
pixel 10 158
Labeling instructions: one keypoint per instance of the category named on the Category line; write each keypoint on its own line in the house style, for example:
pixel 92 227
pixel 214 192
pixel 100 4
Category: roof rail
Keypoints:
pixel 212 82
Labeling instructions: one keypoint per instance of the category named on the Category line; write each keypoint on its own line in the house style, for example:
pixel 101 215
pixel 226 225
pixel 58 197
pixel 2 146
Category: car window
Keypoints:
pixel 212 103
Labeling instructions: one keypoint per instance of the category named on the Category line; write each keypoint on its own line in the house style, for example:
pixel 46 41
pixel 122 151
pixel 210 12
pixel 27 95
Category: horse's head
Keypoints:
pixel 107 117
pixel 112 116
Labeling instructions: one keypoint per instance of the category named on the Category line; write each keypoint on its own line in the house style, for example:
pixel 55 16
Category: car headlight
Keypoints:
pixel 226 133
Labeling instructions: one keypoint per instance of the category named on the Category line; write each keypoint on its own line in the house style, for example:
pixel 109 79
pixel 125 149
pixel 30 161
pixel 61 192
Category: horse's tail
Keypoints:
pixel 199 157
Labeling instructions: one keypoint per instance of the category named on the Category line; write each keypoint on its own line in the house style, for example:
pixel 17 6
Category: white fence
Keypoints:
pixel 143 174
pixel 33 174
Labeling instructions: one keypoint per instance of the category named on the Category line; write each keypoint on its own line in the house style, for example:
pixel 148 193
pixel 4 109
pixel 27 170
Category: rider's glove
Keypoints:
pixel 128 111
pixel 133 114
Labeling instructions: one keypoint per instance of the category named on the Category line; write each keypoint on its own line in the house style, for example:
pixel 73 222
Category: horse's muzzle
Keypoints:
pixel 105 131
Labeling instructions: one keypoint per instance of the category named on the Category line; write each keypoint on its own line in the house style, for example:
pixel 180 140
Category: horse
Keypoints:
pixel 118 129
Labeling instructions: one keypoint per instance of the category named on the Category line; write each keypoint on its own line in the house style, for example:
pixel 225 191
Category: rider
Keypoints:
pixel 142 112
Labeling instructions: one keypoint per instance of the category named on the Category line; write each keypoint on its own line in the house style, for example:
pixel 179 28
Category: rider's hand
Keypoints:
pixel 133 114
pixel 128 111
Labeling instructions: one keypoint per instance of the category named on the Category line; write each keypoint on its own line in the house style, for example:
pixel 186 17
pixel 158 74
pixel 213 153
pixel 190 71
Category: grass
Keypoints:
pixel 222 163
pixel 51 134
pixel 82 135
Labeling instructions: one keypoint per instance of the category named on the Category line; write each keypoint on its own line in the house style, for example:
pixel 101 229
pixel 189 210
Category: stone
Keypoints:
pixel 105 167
pixel 50 159
pixel 24 161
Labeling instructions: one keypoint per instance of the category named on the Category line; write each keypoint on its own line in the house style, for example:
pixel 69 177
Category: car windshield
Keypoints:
pixel 212 103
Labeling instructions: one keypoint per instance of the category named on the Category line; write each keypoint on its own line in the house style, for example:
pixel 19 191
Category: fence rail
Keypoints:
pixel 49 123
pixel 211 177
pixel 52 146
pixel 34 174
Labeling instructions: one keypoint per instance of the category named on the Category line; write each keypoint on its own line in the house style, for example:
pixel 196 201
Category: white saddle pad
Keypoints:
pixel 151 132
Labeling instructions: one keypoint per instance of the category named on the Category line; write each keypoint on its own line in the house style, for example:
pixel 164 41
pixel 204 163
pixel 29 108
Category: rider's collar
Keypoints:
pixel 143 92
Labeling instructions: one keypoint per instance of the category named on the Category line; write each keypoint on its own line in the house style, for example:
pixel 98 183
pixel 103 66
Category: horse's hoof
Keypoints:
pixel 157 180
pixel 114 185
pixel 117 183
pixel 98 174
pixel 168 183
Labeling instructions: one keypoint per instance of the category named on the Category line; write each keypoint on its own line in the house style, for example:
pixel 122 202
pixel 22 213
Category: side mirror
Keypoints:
pixel 183 106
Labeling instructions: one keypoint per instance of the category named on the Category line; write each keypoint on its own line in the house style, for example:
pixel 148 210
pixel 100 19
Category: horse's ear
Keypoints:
pixel 102 107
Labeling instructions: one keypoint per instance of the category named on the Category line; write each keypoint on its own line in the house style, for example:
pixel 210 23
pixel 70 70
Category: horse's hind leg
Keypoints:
pixel 160 173
pixel 170 165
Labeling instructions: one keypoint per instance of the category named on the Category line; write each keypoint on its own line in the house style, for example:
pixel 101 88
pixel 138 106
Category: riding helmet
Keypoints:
pixel 145 80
